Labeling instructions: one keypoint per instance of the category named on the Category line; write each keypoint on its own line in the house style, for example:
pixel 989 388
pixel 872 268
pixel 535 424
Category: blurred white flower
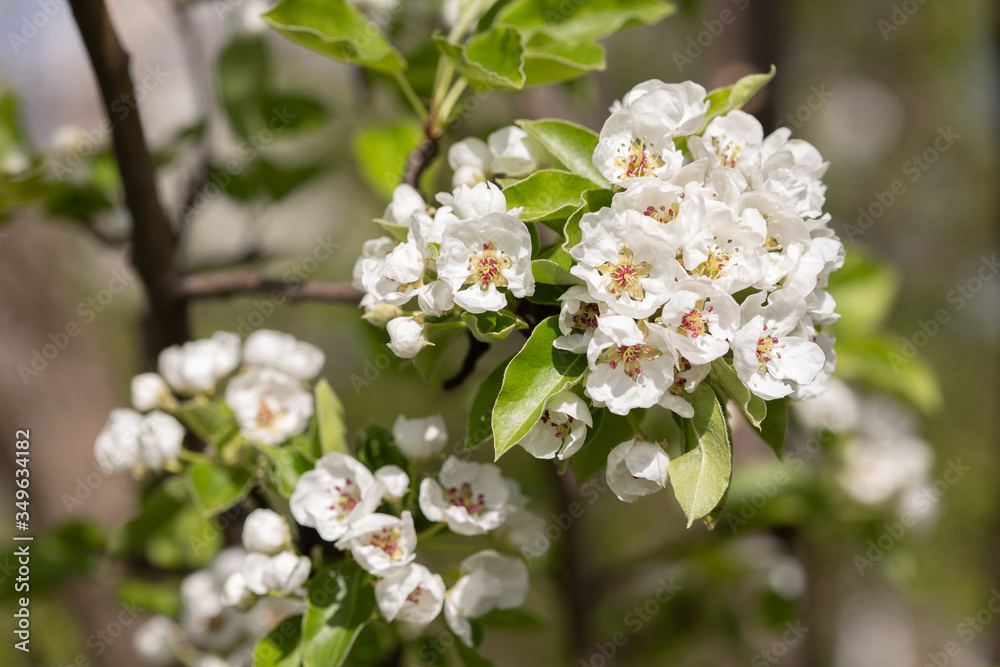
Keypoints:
pixel 150 391
pixel 420 438
pixel 157 640
pixel 283 351
pixel 381 543
pixel 411 595
pixel 265 531
pixel 471 497
pixel 636 469
pixel 489 581
pixel 198 366
pixel 270 406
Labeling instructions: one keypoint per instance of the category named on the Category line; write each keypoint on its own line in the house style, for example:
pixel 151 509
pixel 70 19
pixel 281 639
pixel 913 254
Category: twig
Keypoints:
pixel 477 348
pixel 418 160
pixel 252 281
pixel 152 239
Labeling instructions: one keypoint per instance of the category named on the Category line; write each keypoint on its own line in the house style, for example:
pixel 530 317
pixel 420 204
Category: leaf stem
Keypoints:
pixel 412 97
pixel 634 423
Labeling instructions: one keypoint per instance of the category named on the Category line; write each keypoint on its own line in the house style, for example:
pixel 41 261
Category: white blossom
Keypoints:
pixel 727 253
pixel 160 439
pixel 265 531
pixel 514 152
pixel 393 481
pixel 578 314
pixel 631 365
pixel 381 543
pixel 735 141
pixel 157 640
pixel 471 497
pixel 283 351
pixel 198 366
pixel 406 337
pixel 436 298
pixel 489 581
pixel 285 572
pixel 561 429
pixel 411 595
pixel 373 249
pixel 420 438
pixel 700 320
pixel 150 391
pixel 269 405
pixel 129 440
pixel 471 161
pixel 793 170
pixel 637 468
pixel 236 593
pixel 337 492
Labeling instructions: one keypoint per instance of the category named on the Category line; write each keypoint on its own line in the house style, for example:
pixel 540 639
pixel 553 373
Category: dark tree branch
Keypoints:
pixel 419 159
pixel 152 239
pixel 252 281
pixel 477 348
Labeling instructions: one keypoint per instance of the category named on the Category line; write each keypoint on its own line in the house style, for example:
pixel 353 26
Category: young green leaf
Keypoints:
pixel 341 601
pixel 213 423
pixel 281 647
pixel 547 196
pixel 380 152
pixel 470 657
pixel 753 407
pixel 571 144
pixel 337 29
pixel 573 21
pixel 330 419
pixel 549 61
pixel 215 488
pixel 490 60
pixel 773 428
pixel 534 374
pixel 547 272
pixel 490 327
pixel 701 476
pixel 723 100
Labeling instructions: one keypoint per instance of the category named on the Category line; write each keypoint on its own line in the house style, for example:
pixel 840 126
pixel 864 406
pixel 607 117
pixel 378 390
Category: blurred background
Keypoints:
pixel 876 542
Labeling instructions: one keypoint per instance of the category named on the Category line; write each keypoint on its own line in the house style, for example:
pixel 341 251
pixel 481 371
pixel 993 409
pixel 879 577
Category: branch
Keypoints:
pixel 152 239
pixel 477 348
pixel 251 281
pixel 418 160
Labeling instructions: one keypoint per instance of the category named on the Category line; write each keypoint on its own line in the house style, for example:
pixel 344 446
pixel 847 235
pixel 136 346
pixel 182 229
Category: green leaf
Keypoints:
pixel 278 182
pixel 440 338
pixel 481 412
pixel 701 476
pixel 534 374
pixel 215 488
pixel 396 231
pixel 548 196
pixel 865 290
pixel 579 20
pixel 571 144
pixel 242 74
pixel 212 423
pixel 281 647
pixel 594 200
pixel 547 272
pixel 511 618
pixel 470 657
pixel 285 466
pixel 330 419
pixel 723 100
pixel 160 597
pixel 881 362
pixel 753 407
pixel 490 60
pixel 609 431
pixel 337 29
pixel 380 152
pixel 341 600
pixel 491 327
pixel 773 428
pixel 376 448
pixel 549 61
pixel 295 112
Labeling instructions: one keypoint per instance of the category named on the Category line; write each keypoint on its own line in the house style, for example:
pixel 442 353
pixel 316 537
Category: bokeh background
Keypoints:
pixel 872 83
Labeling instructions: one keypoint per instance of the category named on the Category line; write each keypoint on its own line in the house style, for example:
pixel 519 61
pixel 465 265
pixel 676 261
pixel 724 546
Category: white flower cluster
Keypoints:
pixel 341 497
pixel 269 397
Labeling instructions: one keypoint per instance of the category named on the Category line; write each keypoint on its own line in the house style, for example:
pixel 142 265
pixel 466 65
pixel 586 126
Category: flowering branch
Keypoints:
pixel 152 239
pixel 251 281
pixel 418 160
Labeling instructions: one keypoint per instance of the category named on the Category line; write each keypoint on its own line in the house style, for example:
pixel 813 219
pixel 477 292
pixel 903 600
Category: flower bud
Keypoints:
pixel 420 438
pixel 636 469
pixel 265 532
pixel 149 391
pixel 406 337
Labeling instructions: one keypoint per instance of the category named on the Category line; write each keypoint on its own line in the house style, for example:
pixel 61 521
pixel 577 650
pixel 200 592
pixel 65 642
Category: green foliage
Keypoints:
pixel 376 448
pixel 549 60
pixel 380 152
pixel 481 413
pixel 72 550
pixel 548 196
pixel 337 29
pixel 212 422
pixel 491 327
pixel 753 407
pixel 700 476
pixel 548 272
pixel 330 420
pixel 282 646
pixel 490 60
pixel 215 488
pixel 534 374
pixel 729 98
pixel 341 601
pixel 576 21
pixel 570 144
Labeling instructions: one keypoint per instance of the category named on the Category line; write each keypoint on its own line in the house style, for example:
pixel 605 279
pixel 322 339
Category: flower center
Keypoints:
pixel 486 267
pixel 414 596
pixel 683 366
pixel 637 161
pixel 765 349
pixel 630 357
pixel 387 540
pixel 772 243
pixel 462 497
pixel 728 152
pixel 663 214
pixel 714 267
pixel 561 429
pixel 693 324
pixel 586 317
pixel 625 276
pixel 266 414
pixel 348 496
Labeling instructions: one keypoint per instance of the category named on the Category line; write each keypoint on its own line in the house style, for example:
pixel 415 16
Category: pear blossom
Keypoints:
pixel 150 391
pixel 435 298
pixel 471 497
pixel 514 152
pixel 471 161
pixel 837 409
pixel 265 531
pixel 396 278
pixel 637 139
pixel 489 581
pixel 236 593
pixel 793 170
pixel 623 266
pixel 129 440
pixel 578 313
pixel 336 493
pixel 523 530
pixel 283 351
pixel 160 439
pixel 767 356
pixel 406 337
pixel 205 620
pixel 270 406
pixel 671 212
pixel 393 481
pixel 631 365
pixel 406 205
pixel 469 203
pixel 727 253
pixel 157 640
pixel 636 468
pixel 786 237
pixel 197 366
pixel 420 438
pixel 372 249
pixel 381 543
pixel 561 429
pixel 699 320
pixel 285 572
pixel 480 255
pixel 411 595
pixel 378 313
pixel 735 140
